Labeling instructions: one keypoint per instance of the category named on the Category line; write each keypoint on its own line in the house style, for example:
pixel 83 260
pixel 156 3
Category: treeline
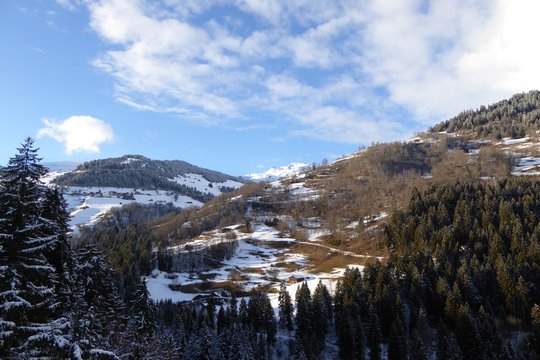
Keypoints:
pixel 516 117
pixel 141 173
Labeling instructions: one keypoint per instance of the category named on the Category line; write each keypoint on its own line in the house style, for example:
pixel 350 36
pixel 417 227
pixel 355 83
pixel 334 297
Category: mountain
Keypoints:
pixel 139 172
pixel 275 173
pixel 93 188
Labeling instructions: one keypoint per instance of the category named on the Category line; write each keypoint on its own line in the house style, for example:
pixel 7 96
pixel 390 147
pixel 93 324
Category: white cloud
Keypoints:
pixel 78 133
pixel 339 70
pixel 453 56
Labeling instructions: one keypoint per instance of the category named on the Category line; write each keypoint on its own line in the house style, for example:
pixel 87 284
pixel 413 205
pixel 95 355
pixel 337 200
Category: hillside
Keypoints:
pixel 516 117
pixel 139 172
pixel 93 188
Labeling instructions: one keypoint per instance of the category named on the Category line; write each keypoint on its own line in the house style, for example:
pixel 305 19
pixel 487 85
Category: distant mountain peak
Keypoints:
pixel 275 173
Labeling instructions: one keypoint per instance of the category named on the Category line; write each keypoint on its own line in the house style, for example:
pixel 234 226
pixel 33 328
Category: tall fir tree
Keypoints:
pixel 285 308
pixel 321 309
pixel 29 324
pixel 99 311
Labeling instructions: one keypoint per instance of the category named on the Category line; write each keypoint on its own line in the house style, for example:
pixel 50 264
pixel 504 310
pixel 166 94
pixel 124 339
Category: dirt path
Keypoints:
pixel 342 252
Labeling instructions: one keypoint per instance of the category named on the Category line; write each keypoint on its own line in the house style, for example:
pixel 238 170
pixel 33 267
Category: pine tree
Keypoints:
pixel 321 307
pixel 447 346
pixel 99 310
pixel 143 312
pixel 221 320
pixel 397 343
pixel 233 308
pixel 285 308
pixel 269 321
pixel 418 350
pixel 374 336
pixel 206 344
pixel 243 312
pixel 211 310
pixel 535 321
pixel 29 324
pixel 304 321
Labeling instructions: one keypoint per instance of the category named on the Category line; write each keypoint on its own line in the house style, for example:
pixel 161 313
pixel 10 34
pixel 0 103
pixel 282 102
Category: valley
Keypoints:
pixel 428 247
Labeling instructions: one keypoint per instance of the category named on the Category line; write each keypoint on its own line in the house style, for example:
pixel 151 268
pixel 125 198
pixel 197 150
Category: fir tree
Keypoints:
pixel 285 308
pixel 98 308
pixel 321 308
pixel 243 312
pixel 304 321
pixel 374 336
pixel 143 312
pixel 29 324
pixel 397 343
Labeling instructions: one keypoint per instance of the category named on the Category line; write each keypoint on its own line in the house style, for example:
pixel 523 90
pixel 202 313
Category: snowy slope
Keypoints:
pixel 87 204
pixel 198 182
pixel 257 261
pixel 275 173
pixel 58 168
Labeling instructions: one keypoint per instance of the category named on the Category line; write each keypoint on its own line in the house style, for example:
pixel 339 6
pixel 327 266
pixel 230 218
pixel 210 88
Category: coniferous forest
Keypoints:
pixel 462 282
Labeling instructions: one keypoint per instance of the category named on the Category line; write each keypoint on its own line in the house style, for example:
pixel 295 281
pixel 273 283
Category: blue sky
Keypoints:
pixel 243 85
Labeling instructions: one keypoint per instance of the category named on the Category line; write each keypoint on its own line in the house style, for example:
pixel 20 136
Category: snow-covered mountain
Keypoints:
pixel 275 173
pixel 91 189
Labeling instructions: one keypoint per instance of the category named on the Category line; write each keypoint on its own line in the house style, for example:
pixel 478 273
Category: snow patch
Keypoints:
pixel 275 173
pixel 199 183
pixel 129 160
pixel 88 204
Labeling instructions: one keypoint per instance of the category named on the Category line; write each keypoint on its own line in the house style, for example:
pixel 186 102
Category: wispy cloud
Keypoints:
pixel 70 5
pixel 78 133
pixel 336 70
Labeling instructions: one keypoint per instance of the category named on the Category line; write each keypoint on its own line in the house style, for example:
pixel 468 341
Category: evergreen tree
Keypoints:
pixel 222 320
pixel 447 346
pixel 99 310
pixel 374 336
pixel 211 310
pixel 243 312
pixel 30 326
pixel 233 308
pixel 304 322
pixel 397 343
pixel 418 350
pixel 285 308
pixel 143 312
pixel 321 308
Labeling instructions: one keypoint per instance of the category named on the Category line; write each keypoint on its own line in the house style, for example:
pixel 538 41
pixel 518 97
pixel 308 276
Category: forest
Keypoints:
pixel 516 117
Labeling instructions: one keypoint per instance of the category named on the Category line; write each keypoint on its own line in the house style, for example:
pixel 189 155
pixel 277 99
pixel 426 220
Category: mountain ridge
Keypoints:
pixel 140 172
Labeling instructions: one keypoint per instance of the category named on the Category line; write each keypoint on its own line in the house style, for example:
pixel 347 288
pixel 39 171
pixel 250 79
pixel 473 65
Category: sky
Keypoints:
pixel 240 86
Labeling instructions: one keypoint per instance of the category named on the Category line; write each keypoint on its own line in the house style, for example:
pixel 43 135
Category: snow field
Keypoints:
pixel 259 261
pixel 201 184
pixel 88 204
pixel 275 173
